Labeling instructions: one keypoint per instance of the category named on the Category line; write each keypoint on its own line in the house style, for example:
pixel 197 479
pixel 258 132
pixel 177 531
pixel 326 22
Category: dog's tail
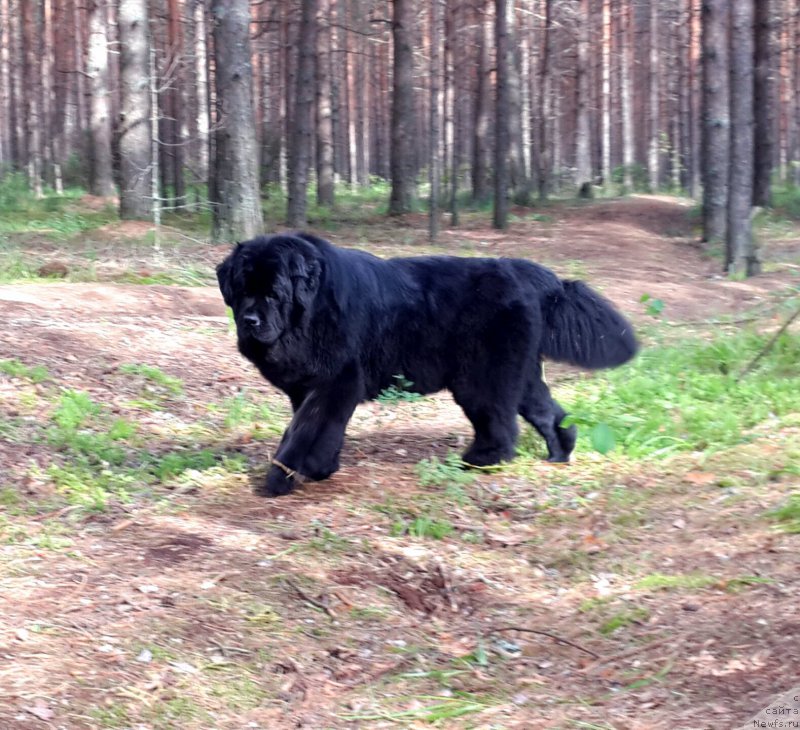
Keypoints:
pixel 583 328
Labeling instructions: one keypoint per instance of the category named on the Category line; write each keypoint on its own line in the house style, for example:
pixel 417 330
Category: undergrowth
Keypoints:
pixel 689 396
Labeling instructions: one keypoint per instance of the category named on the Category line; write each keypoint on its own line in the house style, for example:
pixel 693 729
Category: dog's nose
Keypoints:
pixel 252 319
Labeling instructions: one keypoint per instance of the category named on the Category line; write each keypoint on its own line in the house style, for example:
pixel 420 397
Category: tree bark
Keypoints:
pixel 325 188
pixel 501 118
pixel 300 141
pixel 403 161
pixel 583 142
pixel 516 159
pixel 234 185
pixel 715 119
pixel 136 160
pixel 764 102
pixel 605 96
pixel 544 157
pixel 101 180
pixel 31 97
pixel 741 256
pixel 480 126
pixel 653 155
pixel 177 103
pixel 626 90
pixel 435 163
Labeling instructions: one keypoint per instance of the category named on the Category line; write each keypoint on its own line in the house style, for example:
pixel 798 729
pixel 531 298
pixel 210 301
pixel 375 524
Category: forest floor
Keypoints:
pixel 143 585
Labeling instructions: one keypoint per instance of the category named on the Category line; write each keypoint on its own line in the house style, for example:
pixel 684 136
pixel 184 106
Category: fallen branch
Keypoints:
pixel 554 637
pixel 769 345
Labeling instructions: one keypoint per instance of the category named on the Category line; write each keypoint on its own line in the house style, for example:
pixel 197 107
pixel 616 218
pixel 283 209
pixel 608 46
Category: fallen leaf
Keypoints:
pixel 700 478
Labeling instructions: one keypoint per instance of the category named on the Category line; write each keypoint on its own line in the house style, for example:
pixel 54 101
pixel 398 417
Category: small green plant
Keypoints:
pixel 17 369
pixel 172 464
pixel 622 619
pixel 326 540
pixel 74 409
pixel 449 471
pixel 788 515
pixel 154 376
pixel 659 581
pixel 261 420
pixel 655 307
pixel 423 527
pixel 398 392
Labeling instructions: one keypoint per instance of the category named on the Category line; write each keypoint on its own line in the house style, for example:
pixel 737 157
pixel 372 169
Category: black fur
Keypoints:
pixel 332 327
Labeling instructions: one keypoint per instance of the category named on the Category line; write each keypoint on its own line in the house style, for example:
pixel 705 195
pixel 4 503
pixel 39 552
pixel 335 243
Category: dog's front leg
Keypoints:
pixel 311 445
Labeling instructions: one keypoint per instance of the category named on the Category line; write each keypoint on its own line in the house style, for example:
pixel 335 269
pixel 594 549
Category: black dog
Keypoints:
pixel 332 327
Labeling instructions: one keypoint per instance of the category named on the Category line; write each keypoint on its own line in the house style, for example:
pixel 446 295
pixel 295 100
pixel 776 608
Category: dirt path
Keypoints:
pixel 208 607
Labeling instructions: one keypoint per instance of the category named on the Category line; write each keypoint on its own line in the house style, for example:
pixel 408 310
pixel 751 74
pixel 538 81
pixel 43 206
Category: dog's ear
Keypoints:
pixel 224 278
pixel 304 271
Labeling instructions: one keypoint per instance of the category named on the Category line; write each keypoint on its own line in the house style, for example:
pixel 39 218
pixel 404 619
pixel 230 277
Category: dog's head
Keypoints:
pixel 270 283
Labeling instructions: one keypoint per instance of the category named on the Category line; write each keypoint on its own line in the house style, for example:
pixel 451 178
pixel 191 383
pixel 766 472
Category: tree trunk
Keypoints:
pixel 325 189
pixel 626 90
pixel 177 103
pixel 235 193
pixel 302 123
pixel 101 176
pixel 741 256
pixel 545 104
pixel 31 97
pixel 715 119
pixel 480 141
pixel 201 71
pixel 435 163
pixel 516 159
pixel 501 118
pixel 653 155
pixel 605 166
pixel 583 142
pixel 136 159
pixel 764 103
pixel 403 167
pixel 6 122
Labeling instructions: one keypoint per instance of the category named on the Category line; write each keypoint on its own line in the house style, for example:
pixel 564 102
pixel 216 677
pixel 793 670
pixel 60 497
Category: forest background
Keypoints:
pixel 650 148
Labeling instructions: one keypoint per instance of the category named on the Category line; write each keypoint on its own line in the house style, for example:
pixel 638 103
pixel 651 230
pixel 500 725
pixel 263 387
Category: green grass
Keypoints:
pixel 17 369
pixel 787 516
pixel 154 376
pixel 242 412
pixel 623 619
pixel 686 397
pixel 450 471
pixel 54 215
pixel 423 527
pixel 436 710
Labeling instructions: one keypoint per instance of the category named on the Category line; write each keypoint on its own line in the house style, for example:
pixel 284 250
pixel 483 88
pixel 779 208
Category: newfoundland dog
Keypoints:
pixel 333 327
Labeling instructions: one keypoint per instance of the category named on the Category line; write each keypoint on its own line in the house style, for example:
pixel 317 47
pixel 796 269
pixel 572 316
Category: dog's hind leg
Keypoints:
pixel 495 434
pixel 544 414
pixel 489 384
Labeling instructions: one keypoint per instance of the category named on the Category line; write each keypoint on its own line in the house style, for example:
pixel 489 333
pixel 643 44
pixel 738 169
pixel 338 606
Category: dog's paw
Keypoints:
pixel 487 456
pixel 566 444
pixel 277 484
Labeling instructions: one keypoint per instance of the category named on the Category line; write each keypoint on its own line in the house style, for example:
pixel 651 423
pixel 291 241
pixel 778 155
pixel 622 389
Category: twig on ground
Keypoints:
pixel 447 586
pixel 308 599
pixel 554 637
pixel 627 653
pixel 712 322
